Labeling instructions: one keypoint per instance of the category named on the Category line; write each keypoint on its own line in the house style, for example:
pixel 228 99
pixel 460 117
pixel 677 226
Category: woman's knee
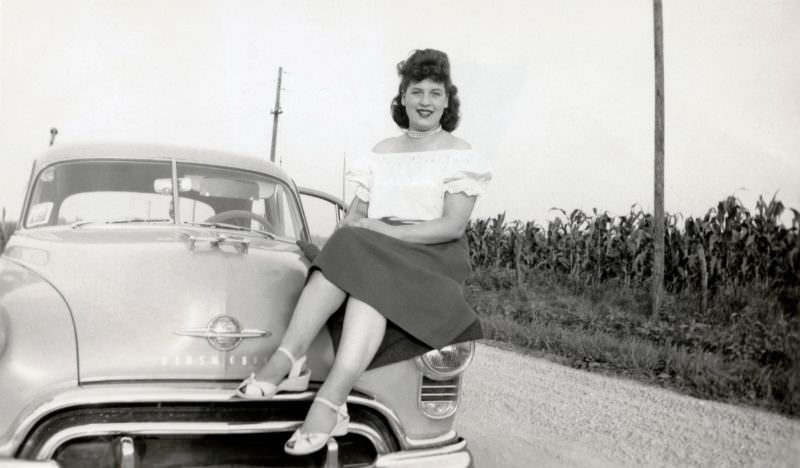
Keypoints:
pixel 362 309
pixel 318 280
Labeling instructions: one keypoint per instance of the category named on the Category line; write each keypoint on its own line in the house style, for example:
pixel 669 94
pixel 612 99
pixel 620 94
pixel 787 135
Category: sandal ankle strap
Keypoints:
pixel 330 404
pixel 288 354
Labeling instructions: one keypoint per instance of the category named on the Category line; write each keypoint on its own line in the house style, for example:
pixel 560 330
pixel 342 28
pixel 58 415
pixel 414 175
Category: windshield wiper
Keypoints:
pixel 138 220
pixel 78 224
pixel 267 234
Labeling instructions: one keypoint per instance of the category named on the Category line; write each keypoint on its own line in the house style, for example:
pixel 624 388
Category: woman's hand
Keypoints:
pixel 348 221
pixel 451 226
pixel 455 217
pixel 356 212
pixel 375 225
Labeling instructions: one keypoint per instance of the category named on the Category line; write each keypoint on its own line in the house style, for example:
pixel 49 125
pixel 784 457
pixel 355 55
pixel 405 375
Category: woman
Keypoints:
pixel 398 260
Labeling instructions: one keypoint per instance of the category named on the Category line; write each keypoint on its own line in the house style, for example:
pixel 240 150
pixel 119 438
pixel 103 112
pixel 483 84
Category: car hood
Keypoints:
pixel 147 300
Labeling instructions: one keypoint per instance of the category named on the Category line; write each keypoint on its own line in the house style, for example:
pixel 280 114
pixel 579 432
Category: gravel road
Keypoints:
pixel 520 411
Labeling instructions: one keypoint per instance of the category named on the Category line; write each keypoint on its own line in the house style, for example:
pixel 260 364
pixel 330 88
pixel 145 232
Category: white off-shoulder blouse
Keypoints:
pixel 411 186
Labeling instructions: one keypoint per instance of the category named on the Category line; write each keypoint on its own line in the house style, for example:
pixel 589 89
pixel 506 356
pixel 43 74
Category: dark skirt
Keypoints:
pixel 417 287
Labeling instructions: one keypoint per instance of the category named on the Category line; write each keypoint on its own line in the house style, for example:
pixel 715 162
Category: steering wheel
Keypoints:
pixel 233 214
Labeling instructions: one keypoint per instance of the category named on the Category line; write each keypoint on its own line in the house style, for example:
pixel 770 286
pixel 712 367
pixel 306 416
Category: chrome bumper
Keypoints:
pixel 448 450
pixel 455 455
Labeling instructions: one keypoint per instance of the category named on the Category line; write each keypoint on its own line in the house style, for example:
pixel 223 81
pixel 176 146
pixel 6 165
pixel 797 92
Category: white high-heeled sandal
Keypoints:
pixel 303 443
pixel 296 381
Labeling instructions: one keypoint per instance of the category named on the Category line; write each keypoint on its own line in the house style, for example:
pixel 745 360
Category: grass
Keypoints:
pixel 745 349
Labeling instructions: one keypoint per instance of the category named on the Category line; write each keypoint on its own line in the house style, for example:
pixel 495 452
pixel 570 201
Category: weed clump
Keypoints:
pixel 745 348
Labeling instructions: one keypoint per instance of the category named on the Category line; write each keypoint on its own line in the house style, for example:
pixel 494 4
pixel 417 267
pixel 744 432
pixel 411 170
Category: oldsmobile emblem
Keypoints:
pixel 223 333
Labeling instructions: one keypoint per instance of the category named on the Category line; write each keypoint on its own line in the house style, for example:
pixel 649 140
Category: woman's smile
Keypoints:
pixel 425 101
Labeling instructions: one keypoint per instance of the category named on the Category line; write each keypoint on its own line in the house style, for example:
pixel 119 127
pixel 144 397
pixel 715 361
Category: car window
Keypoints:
pixel 111 206
pixel 322 217
pixel 81 191
pixel 113 191
pixel 239 198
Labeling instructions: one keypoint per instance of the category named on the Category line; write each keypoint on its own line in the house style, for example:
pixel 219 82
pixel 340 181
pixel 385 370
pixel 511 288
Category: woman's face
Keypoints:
pixel 425 101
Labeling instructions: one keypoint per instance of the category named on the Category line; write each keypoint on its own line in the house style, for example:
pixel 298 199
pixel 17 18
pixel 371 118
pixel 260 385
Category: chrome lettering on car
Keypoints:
pixel 223 333
pixel 189 360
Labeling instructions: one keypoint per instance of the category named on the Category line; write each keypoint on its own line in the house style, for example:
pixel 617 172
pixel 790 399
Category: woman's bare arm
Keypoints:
pixel 355 212
pixel 451 226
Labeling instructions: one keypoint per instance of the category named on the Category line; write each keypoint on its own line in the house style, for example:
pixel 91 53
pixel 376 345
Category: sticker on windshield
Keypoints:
pixel 39 214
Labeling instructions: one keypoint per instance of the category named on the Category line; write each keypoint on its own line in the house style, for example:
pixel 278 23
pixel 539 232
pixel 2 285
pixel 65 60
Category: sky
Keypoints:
pixel 557 94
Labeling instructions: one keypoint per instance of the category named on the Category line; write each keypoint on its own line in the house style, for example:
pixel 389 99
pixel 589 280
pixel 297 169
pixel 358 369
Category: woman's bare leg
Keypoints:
pixel 318 301
pixel 362 334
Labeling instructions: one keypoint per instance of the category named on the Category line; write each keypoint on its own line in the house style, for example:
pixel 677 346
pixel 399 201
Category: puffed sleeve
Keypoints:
pixel 467 172
pixel 359 172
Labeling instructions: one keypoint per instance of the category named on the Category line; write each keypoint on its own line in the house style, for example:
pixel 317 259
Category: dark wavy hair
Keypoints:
pixel 422 64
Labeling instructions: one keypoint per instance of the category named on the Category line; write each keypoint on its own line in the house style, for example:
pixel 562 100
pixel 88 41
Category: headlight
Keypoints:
pixel 439 384
pixel 448 362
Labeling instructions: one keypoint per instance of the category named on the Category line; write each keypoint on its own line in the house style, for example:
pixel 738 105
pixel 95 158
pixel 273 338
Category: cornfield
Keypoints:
pixel 727 248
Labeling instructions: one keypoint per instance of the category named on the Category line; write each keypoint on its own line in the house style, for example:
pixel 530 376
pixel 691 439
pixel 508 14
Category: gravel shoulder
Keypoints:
pixel 521 411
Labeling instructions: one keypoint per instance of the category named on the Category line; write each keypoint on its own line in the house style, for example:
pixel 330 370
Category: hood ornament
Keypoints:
pixel 223 333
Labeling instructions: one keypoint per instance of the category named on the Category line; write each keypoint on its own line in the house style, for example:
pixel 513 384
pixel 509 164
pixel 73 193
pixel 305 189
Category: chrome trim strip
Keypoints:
pixel 176 201
pixel 453 455
pixel 202 332
pixel 406 442
pixel 127 453
pixel 15 463
pixel 367 431
pixel 332 455
pixel 59 438
pixel 442 439
pixel 218 240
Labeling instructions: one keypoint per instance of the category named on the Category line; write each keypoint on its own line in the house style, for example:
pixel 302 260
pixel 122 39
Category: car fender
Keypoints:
pixel 38 351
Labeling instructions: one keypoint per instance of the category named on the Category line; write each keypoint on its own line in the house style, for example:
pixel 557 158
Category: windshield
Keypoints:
pixel 84 192
pixel 237 199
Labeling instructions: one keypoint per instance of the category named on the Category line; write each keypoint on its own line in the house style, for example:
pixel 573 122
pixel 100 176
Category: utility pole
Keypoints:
pixel 344 170
pixel 658 192
pixel 3 231
pixel 276 112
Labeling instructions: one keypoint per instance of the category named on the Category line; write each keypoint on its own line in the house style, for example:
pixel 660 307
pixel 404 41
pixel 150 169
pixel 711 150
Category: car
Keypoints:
pixel 144 282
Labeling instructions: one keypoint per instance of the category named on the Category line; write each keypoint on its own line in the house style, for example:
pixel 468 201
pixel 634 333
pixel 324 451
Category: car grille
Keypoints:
pixel 240 434
pixel 250 450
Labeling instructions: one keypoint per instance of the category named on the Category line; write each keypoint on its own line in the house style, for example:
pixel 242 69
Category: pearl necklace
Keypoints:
pixel 417 135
